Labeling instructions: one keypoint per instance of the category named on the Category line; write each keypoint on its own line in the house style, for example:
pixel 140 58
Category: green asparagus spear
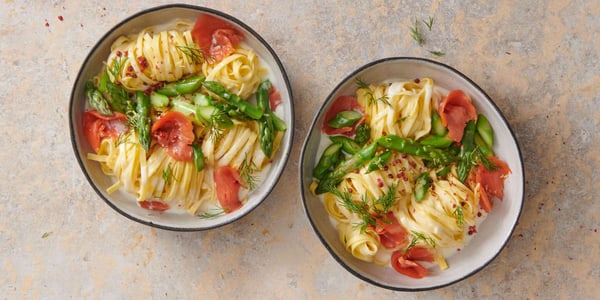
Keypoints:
pixel 96 100
pixel 436 141
pixel 348 145
pixel 466 155
pixel 379 161
pixel 362 134
pixel 198 157
pixel 433 155
pixel 484 128
pixel 246 107
pixel 266 134
pixel 327 161
pixel 332 179
pixel 117 96
pixel 422 184
pixel 266 128
pixel 262 96
pixel 182 87
pixel 344 118
pixel 437 127
pixel 143 122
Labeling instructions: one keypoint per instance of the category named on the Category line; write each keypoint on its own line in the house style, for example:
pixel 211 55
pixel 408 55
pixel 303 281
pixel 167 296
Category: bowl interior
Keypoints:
pixel 125 203
pixel 495 230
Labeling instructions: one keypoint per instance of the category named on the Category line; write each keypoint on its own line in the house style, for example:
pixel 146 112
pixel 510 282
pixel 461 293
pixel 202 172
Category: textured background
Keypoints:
pixel 539 62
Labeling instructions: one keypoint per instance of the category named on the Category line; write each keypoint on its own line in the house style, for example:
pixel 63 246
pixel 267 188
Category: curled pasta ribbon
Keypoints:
pixel 362 245
pixel 150 57
pixel 240 72
pixel 403 108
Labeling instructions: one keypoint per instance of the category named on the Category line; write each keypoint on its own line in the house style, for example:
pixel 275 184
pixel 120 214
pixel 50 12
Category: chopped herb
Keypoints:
pixel 369 93
pixel 195 54
pixel 210 215
pixel 247 169
pixel 117 66
pixel 416 34
pixel 168 175
pixel 417 236
pixel 458 213
pixel 46 234
pixel 437 53
pixel 428 23
pixel 369 211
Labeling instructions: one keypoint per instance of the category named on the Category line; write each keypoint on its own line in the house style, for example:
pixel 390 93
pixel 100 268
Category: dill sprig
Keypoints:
pixel 369 211
pixel 437 53
pixel 247 169
pixel 214 214
pixel 417 236
pixel 369 93
pixel 415 33
pixel 458 213
pixel 117 66
pixel 168 175
pixel 196 55
pixel 428 22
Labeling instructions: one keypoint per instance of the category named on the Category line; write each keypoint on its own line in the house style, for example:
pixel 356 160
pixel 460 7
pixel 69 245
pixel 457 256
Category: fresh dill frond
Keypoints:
pixel 211 215
pixel 417 236
pixel 437 53
pixel 384 203
pixel 428 23
pixel 416 34
pixel 369 210
pixel 247 169
pixel 168 175
pixel 369 93
pixel 458 213
pixel 361 208
pixel 195 54
pixel 117 66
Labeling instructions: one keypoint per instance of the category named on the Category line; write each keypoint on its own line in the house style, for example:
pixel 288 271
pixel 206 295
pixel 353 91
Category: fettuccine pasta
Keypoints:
pixel 178 126
pixel 403 192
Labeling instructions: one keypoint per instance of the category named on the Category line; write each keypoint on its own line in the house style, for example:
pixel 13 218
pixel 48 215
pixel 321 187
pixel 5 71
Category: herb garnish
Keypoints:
pixel 247 170
pixel 369 93
pixel 368 211
pixel 210 215
pixel 46 234
pixel 458 213
pixel 416 34
pixel 428 22
pixel 195 54
pixel 168 175
pixel 117 66
pixel 437 53
pixel 417 236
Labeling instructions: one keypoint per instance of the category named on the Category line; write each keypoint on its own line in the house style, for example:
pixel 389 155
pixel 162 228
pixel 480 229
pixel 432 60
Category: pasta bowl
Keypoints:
pixel 363 247
pixel 161 194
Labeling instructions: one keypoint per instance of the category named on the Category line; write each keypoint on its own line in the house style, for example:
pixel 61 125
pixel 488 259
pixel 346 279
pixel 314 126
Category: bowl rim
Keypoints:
pixel 313 127
pixel 201 9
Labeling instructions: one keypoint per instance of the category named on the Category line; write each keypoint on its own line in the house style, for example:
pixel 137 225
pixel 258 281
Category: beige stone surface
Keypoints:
pixel 538 60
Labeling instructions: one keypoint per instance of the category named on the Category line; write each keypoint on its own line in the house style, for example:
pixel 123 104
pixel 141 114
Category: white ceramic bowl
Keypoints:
pixel 126 204
pixel 492 235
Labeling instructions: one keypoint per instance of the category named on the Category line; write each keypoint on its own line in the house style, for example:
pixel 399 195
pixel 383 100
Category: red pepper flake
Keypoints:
pixel 60 18
pixel 417 80
pixel 46 23
pixel 379 182
pixel 385 168
pixel 479 214
pixel 458 249
pixel 143 62
pixel 390 176
pixel 472 230
pixel 119 53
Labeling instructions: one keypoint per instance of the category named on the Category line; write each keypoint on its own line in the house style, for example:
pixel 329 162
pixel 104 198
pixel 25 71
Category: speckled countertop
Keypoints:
pixel 539 62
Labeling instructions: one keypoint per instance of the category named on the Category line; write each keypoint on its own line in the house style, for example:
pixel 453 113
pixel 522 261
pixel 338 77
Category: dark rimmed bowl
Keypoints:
pixel 493 233
pixel 124 203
